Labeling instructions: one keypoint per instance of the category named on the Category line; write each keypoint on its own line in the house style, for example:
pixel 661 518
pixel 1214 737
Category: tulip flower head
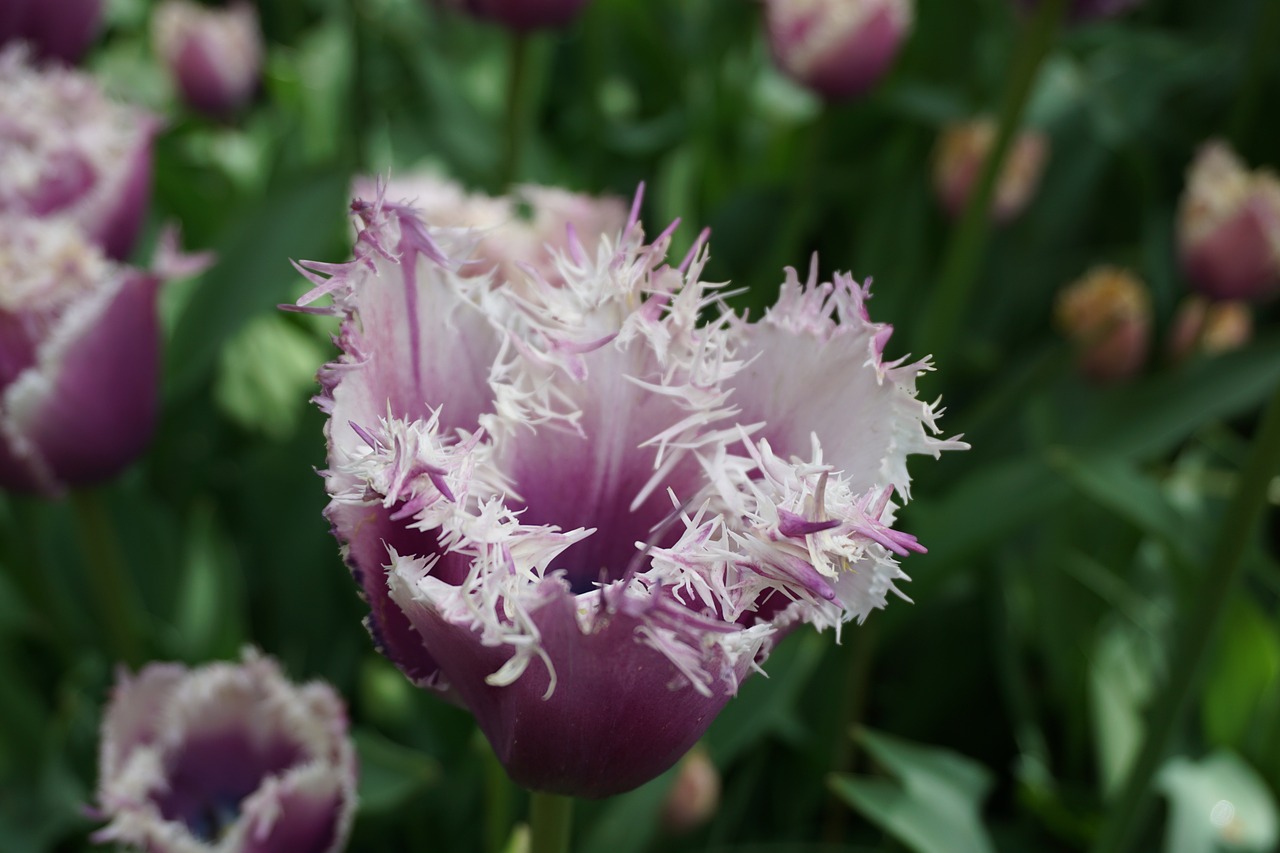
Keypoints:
pixel 1229 227
pixel 213 54
pixel 1211 328
pixel 225 758
pixel 585 513
pixel 523 15
pixel 1107 316
pixel 67 150
pixel 838 48
pixel 962 151
pixel 55 29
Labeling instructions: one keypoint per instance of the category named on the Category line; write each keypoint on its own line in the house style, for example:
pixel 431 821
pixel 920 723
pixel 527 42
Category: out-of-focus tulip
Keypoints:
pixel 55 29
pixel 225 758
pixel 1208 327
pixel 695 795
pixel 79 356
pixel 585 512
pixel 1107 316
pixel 962 150
pixel 213 54
pixel 1229 227
pixel 838 48
pixel 523 15
pixel 66 150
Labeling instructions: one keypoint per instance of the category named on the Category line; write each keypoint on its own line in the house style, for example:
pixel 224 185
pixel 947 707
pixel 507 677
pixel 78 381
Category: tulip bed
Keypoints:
pixel 510 425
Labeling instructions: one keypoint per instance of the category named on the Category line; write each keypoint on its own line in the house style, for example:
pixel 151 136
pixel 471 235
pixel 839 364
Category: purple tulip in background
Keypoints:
pixel 585 513
pixel 1106 314
pixel 227 758
pixel 79 355
pixel 1229 227
pixel 963 149
pixel 213 54
pixel 523 15
pixel 66 150
pixel 838 48
pixel 55 29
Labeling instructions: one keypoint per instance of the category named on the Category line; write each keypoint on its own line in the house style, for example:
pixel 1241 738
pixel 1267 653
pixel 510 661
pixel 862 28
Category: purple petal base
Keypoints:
pixel 858 64
pixel 1236 261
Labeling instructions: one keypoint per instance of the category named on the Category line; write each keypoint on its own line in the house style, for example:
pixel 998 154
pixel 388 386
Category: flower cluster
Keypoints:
pixel 589 503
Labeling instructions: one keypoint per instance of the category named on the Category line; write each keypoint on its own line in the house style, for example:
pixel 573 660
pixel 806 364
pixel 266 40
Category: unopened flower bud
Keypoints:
pixel 695 795
pixel 55 29
pixel 523 15
pixel 213 54
pixel 838 48
pixel 1107 316
pixel 1208 327
pixel 1229 227
pixel 963 149
pixel 227 757
pixel 66 150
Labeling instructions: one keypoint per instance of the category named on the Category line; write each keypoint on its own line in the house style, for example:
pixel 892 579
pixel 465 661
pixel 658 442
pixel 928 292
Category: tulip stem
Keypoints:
pixel 945 314
pixel 517 74
pixel 110 587
pixel 1194 639
pixel 551 820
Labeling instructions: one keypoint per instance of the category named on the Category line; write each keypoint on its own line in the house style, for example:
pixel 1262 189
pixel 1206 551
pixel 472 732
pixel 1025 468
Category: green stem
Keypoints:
pixel 551 820
pixel 110 587
pixel 853 708
pixel 945 314
pixel 517 74
pixel 497 796
pixel 1195 638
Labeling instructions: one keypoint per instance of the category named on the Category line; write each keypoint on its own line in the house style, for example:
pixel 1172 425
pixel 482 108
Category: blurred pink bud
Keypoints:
pixel 523 15
pixel 695 796
pixel 1229 226
pixel 838 48
pixel 55 29
pixel 66 149
pixel 1107 316
pixel 226 757
pixel 1208 327
pixel 962 150
pixel 213 54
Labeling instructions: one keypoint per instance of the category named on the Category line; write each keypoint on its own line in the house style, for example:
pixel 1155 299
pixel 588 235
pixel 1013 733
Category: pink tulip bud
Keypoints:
pixel 695 796
pixel 523 15
pixel 838 48
pixel 227 757
pixel 1229 227
pixel 213 54
pixel 1208 327
pixel 66 150
pixel 962 151
pixel 1107 316
pixel 55 29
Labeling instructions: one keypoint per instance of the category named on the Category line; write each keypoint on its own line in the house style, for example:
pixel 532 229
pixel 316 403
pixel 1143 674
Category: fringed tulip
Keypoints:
pixel 962 151
pixel 1107 316
pixel 55 29
pixel 587 514
pixel 838 48
pixel 67 150
pixel 214 55
pixel 225 758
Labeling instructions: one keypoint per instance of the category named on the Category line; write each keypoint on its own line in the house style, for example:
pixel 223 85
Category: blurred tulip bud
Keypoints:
pixel 227 757
pixel 66 150
pixel 962 150
pixel 1208 327
pixel 55 29
pixel 695 796
pixel 213 54
pixel 79 356
pixel 523 15
pixel 1107 316
pixel 838 48
pixel 1083 10
pixel 1229 227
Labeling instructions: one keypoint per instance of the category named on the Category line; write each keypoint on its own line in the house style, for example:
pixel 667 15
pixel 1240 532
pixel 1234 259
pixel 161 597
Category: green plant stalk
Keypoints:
pixel 946 314
pixel 1195 638
pixel 517 74
pixel 110 586
pixel 551 821
pixel 497 797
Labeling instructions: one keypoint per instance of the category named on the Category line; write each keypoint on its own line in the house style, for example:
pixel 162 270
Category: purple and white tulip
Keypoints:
pixel 55 29
pixel 1229 227
pixel 838 48
pixel 1106 314
pixel 583 512
pixel 67 150
pixel 213 54
pixel 225 758
pixel 962 151
pixel 523 15
pixel 79 356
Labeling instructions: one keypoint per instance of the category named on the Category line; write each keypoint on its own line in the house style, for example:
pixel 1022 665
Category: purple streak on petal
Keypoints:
pixel 633 218
pixel 703 236
pixel 67 178
pixel 437 479
pixel 798 526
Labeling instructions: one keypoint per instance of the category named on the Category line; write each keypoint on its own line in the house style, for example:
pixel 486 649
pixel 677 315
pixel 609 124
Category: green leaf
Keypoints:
pixel 269 401
pixel 630 821
pixel 1121 679
pixel 935 804
pixel 1217 803
pixel 1243 673
pixel 390 774
pixel 210 605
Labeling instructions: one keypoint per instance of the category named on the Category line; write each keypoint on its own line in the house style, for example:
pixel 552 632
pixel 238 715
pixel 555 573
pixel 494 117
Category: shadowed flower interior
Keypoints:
pixel 589 502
